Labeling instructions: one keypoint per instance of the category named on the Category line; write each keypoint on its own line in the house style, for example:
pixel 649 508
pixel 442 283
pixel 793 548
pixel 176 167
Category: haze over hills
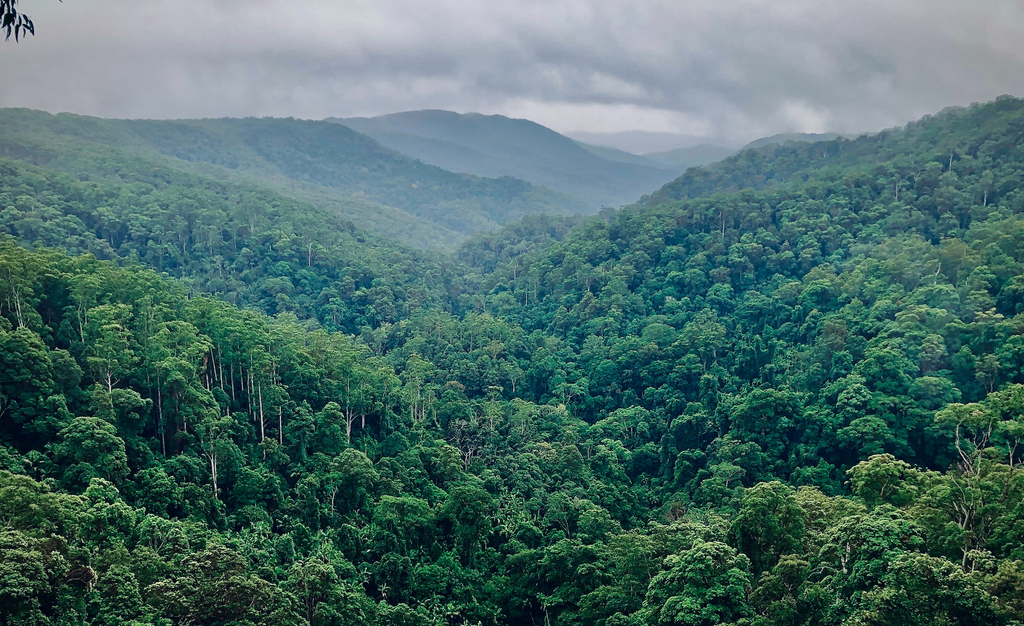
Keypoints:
pixel 682 159
pixel 683 151
pixel 781 159
pixel 706 154
pixel 495 145
pixel 644 142
pixel 376 187
pixel 503 165
pixel 620 156
pixel 782 138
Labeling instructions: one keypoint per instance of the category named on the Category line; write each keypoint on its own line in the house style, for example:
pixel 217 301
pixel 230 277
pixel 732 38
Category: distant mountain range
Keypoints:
pixel 675 151
pixel 495 145
pixel 675 160
pixel 377 188
pixel 427 178
pixel 671 148
pixel 782 138
pixel 695 156
pixel 599 169
pixel 644 142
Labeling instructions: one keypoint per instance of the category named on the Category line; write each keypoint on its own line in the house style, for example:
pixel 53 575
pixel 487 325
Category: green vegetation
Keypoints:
pixel 496 146
pixel 985 130
pixel 799 403
pixel 325 164
pixel 685 158
pixel 248 246
pixel 785 138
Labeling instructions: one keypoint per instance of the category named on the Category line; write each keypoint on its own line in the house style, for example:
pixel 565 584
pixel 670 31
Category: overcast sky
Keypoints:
pixel 735 69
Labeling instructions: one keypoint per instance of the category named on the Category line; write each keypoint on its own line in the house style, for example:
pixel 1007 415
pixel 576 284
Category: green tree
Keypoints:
pixel 770 524
pixel 90 448
pixel 704 586
pixel 212 586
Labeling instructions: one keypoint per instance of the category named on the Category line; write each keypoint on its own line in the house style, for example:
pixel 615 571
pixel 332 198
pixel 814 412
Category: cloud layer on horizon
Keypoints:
pixel 734 69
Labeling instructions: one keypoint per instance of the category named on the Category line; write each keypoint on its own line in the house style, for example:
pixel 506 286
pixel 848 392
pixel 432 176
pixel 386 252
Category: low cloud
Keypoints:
pixel 733 69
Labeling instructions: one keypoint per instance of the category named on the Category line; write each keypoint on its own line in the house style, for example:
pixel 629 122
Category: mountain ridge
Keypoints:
pixel 641 142
pixel 331 162
pixel 496 145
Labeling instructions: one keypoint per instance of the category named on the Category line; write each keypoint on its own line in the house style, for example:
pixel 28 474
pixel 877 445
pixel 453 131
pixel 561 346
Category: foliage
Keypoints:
pixel 327 165
pixel 794 405
pixel 496 146
pixel 13 22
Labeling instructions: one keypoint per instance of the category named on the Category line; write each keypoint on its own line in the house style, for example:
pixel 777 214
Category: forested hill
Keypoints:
pixel 495 145
pixel 784 138
pixel 989 131
pixel 800 404
pixel 249 246
pixel 323 163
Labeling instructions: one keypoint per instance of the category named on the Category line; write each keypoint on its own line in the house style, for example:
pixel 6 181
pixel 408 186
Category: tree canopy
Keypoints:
pixel 795 403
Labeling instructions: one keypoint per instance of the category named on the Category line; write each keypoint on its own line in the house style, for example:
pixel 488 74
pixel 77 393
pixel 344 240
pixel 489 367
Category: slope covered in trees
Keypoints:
pixel 495 145
pixel 695 156
pixel 794 405
pixel 248 246
pixel 318 162
pixel 784 138
pixel 986 131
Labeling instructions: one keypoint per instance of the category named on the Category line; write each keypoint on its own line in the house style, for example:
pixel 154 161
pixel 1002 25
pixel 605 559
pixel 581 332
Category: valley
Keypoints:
pixel 437 369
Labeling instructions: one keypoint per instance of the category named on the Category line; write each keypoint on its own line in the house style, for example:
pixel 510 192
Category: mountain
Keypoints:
pixel 246 244
pixel 791 396
pixel 683 159
pixel 495 145
pixel 612 154
pixel 782 138
pixel 774 164
pixel 664 150
pixel 638 141
pixel 319 162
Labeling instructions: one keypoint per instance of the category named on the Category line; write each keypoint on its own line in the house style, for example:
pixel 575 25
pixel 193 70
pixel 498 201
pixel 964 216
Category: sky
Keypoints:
pixel 730 69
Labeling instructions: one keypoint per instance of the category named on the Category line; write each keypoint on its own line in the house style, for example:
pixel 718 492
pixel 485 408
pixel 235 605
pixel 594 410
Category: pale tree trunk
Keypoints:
pixel 262 418
pixel 349 419
pixel 212 456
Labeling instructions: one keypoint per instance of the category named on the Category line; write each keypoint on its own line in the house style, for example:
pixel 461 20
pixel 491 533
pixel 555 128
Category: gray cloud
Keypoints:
pixel 727 68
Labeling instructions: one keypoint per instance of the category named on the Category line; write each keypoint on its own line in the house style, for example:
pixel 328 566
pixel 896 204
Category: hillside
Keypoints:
pixel 783 138
pixel 248 246
pixel 91 161
pixel 638 141
pixel 683 159
pixel 324 163
pixel 959 133
pixel 611 154
pixel 495 145
pixel 795 403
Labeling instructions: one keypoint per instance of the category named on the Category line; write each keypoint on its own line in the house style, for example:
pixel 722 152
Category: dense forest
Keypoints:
pixel 324 164
pixel 786 389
